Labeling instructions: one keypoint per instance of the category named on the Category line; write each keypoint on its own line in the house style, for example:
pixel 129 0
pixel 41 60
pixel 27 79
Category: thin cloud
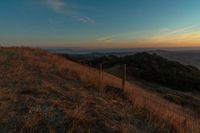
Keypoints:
pixel 119 37
pixel 179 30
pixel 64 8
pixel 107 39
pixel 188 34
pixel 162 37
pixel 165 30
pixel 56 5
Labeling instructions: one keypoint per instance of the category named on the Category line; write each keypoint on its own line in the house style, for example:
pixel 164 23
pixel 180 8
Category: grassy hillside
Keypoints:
pixel 42 92
pixel 37 95
pixel 171 80
pixel 152 67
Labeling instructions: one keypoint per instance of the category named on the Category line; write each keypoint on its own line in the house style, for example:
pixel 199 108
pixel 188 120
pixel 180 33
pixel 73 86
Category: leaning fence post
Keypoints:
pixel 124 77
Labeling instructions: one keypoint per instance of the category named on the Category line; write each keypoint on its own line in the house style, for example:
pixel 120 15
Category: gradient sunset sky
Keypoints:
pixel 100 23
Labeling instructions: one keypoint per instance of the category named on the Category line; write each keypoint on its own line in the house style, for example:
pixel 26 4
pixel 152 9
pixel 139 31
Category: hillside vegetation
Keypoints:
pixel 42 92
pixel 152 67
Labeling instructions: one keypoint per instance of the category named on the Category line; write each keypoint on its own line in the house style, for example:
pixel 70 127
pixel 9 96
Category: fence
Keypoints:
pixel 171 113
pixel 174 114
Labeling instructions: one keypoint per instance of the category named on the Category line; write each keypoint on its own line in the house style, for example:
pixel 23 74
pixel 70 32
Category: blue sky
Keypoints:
pixel 100 23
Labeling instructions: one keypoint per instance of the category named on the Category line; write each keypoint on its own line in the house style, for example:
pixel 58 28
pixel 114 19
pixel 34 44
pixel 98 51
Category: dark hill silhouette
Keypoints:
pixel 155 68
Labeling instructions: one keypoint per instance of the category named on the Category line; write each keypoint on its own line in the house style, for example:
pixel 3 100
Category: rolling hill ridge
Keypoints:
pixel 43 92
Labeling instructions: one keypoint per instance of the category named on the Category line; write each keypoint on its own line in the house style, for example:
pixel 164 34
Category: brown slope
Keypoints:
pixel 40 92
pixel 43 92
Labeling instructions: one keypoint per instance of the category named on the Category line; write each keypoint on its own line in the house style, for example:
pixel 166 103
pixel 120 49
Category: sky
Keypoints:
pixel 100 23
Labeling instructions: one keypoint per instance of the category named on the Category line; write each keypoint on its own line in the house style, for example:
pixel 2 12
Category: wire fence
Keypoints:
pixel 182 120
pixel 175 115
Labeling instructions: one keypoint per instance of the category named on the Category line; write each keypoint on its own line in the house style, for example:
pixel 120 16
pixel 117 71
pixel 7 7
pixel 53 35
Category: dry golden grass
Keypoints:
pixel 154 109
pixel 159 108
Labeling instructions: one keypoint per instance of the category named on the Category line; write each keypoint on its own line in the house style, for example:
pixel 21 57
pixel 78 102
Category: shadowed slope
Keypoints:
pixel 41 92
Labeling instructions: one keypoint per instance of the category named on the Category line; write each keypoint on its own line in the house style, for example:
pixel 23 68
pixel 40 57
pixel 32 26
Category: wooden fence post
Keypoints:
pixel 89 67
pixel 124 77
pixel 100 75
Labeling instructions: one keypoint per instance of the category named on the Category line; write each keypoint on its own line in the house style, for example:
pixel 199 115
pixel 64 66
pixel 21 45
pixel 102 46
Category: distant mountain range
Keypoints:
pixel 113 50
pixel 185 56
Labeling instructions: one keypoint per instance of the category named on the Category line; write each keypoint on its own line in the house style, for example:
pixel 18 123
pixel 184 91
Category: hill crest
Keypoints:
pixel 39 88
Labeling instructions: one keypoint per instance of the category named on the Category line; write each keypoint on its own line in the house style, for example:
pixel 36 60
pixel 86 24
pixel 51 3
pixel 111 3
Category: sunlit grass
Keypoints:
pixel 159 109
pixel 153 108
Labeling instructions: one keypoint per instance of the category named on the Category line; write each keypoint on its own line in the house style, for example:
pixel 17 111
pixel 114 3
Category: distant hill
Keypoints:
pixel 184 56
pixel 187 57
pixel 155 68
